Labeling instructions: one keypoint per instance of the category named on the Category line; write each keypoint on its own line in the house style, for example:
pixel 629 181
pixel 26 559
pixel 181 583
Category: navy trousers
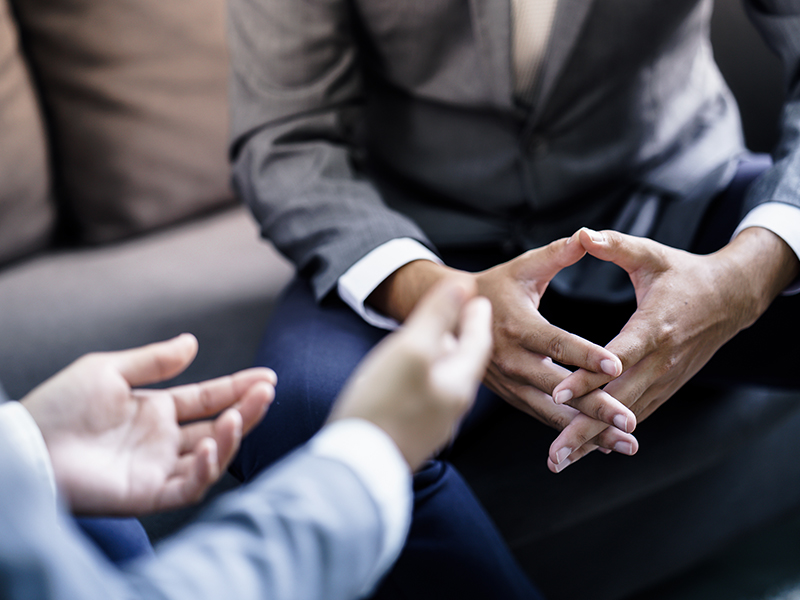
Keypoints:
pixel 453 550
pixel 120 540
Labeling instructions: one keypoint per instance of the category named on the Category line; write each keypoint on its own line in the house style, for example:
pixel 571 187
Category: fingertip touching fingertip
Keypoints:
pixel 595 236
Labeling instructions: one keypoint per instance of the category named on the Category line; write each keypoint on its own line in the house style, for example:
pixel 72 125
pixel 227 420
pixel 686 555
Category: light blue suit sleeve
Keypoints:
pixel 308 528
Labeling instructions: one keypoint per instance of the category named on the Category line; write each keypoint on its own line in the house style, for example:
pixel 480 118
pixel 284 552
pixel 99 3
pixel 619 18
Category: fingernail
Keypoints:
pixel 624 448
pixel 563 465
pixel 595 235
pixel 609 367
pixel 621 423
pixel 563 396
pixel 563 455
pixel 604 450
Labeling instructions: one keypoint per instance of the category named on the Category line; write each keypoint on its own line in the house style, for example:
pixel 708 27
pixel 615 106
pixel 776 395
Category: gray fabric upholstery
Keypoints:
pixel 212 277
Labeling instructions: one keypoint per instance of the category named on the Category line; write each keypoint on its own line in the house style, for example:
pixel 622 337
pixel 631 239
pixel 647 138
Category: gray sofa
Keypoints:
pixel 211 276
pixel 121 228
pixel 118 228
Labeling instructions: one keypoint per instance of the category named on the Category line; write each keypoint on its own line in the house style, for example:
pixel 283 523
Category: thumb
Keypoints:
pixel 462 370
pixel 156 362
pixel 547 261
pixel 626 251
pixel 439 311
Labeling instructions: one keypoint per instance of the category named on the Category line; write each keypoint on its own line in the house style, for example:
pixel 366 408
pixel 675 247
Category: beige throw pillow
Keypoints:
pixel 26 213
pixel 136 97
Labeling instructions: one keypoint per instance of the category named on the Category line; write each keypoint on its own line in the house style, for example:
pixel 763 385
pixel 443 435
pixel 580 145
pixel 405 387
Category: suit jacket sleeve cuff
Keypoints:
pixel 378 463
pixel 360 280
pixel 781 219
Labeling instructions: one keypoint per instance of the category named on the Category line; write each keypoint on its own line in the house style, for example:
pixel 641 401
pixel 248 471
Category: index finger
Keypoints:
pixel 570 349
pixel 209 398
pixel 631 345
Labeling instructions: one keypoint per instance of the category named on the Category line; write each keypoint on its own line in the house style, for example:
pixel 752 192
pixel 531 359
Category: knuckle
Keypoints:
pixel 507 366
pixel 560 421
pixel 661 256
pixel 507 329
pixel 608 438
pixel 581 437
pixel 501 365
pixel 602 412
pixel 664 332
pixel 556 348
pixel 666 365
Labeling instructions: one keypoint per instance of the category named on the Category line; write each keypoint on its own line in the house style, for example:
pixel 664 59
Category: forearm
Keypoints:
pixel 760 264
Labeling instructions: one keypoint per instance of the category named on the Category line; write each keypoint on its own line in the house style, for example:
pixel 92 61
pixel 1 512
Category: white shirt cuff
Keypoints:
pixel 360 280
pixel 781 219
pixel 17 426
pixel 378 463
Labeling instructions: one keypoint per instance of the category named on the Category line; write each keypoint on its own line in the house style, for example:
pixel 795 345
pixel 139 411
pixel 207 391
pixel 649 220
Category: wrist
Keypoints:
pixel 398 294
pixel 762 264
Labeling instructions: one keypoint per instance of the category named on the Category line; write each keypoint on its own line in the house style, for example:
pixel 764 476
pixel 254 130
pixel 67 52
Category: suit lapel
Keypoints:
pixel 569 19
pixel 492 19
pixel 492 22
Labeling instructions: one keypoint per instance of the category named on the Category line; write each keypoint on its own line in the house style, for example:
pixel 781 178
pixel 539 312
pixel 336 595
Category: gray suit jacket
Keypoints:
pixel 305 529
pixel 358 121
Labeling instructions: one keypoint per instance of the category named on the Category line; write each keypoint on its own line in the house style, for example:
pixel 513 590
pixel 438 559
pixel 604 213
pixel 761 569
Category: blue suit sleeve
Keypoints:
pixel 307 528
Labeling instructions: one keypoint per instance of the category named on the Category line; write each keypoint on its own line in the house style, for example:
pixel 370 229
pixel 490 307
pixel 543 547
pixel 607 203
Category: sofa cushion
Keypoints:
pixel 212 276
pixel 135 93
pixel 26 212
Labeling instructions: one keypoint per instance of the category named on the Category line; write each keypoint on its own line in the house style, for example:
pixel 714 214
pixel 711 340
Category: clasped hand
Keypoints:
pixel 524 370
pixel 688 306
